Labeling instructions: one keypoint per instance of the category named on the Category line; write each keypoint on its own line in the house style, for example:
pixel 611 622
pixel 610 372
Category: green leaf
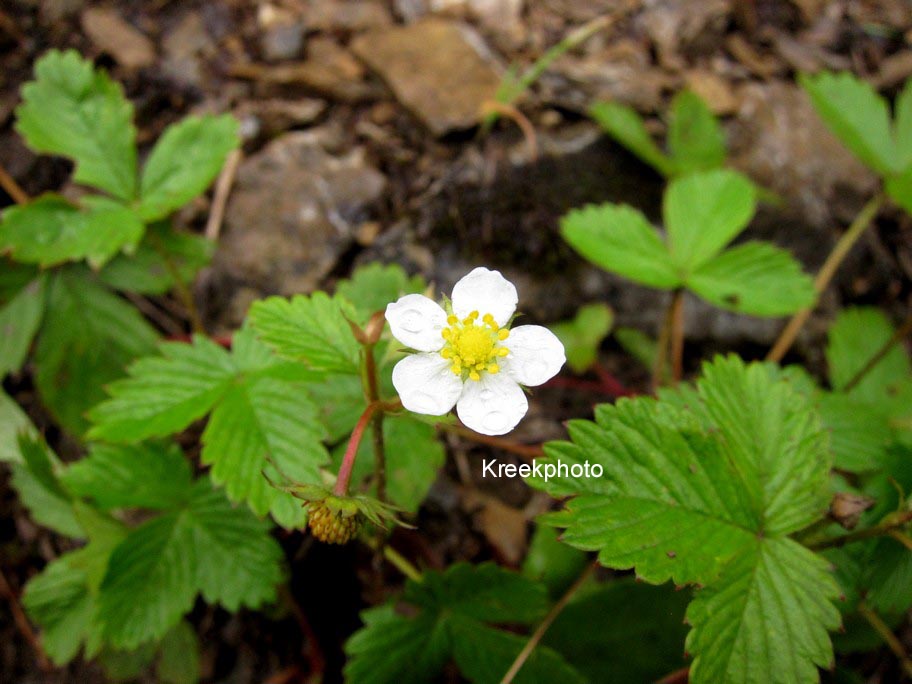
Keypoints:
pixel 13 277
pixel 151 475
pixel 553 564
pixel 120 665
pixel 643 623
pixel 855 336
pixel 40 490
pixel 51 230
pixel 754 278
pixel 766 619
pixel 856 114
pixel 888 577
pixel 61 600
pixel 704 212
pixel 859 433
pixel 13 424
pixel 161 255
pixel 184 161
pixel 88 337
pixel 620 239
pixel 207 547
pixel 638 344
pixel 583 335
pixel 309 329
pixel 164 394
pixel 624 125
pixel 255 416
pixel 696 141
pixel 179 659
pixel 446 621
pixel 375 285
pixel 19 321
pixel 902 129
pixel 899 188
pixel 78 112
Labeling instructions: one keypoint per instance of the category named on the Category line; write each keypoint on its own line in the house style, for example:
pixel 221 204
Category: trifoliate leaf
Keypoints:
pixel 702 487
pixel 150 475
pixel 309 329
pixel 19 321
pixel 51 230
pixel 446 620
pixel 703 212
pixel 582 336
pixel 754 278
pixel 855 336
pixel 88 337
pixel 179 657
pixel 37 482
pixel 78 112
pixel 766 618
pixel 696 141
pixel 624 125
pixel 256 418
pixel 163 255
pixel 414 455
pixel 620 239
pixel 375 285
pixel 858 116
pixel 207 547
pixel 184 161
pixel 643 623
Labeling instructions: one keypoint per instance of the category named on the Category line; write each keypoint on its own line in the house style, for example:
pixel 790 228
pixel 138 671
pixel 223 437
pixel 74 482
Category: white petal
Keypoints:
pixel 416 321
pixel 492 405
pixel 536 355
pixel 426 384
pixel 485 291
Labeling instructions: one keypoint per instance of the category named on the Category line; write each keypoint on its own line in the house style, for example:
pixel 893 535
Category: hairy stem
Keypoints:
pixel 527 451
pixel 885 633
pixel 351 451
pixel 878 356
pixel 886 527
pixel 546 623
pixel 373 394
pixel 825 275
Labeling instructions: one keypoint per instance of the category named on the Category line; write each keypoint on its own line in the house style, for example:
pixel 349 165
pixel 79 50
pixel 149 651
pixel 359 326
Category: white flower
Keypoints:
pixel 467 357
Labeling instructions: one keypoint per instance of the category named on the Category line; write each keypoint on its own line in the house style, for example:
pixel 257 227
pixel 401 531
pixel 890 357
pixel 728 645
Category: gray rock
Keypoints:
pixel 294 210
pixel 438 69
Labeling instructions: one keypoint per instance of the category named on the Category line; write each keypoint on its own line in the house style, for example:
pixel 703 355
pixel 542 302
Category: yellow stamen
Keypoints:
pixel 473 348
pixel 503 334
pixel 473 375
pixel 452 320
pixel 493 369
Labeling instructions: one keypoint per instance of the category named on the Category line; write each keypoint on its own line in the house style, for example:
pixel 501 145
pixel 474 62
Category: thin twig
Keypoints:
pixel 546 623
pixel 527 451
pixel 220 197
pixel 883 528
pixel 12 188
pixel 658 368
pixel 521 120
pixel 901 332
pixel 885 633
pixel 22 624
pixel 825 275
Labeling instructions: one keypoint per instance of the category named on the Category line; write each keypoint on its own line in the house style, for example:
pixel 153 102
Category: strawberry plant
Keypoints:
pixel 758 514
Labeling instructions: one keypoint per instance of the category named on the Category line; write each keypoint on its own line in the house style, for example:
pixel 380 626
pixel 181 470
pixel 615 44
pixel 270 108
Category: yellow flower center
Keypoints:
pixel 473 349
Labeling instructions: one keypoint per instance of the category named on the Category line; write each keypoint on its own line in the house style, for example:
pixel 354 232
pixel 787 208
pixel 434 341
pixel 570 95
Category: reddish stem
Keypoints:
pixel 351 451
pixel 611 384
pixel 22 624
pixel 222 340
pixel 681 676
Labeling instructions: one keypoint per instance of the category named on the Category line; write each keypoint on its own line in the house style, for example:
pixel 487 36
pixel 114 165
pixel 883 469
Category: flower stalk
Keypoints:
pixel 351 451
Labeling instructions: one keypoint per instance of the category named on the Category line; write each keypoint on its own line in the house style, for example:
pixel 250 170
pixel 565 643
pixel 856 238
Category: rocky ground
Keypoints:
pixel 361 142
